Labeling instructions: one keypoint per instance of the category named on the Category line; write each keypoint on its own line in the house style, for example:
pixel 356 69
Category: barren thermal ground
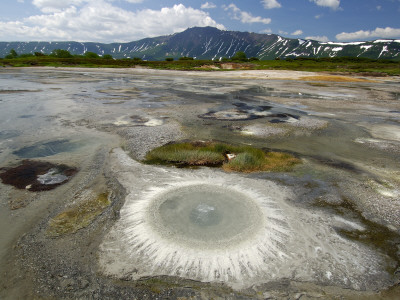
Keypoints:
pixel 279 184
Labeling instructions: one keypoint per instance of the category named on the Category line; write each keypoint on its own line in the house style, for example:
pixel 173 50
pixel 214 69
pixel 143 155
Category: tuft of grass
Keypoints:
pixel 78 217
pixel 244 162
pixel 248 159
pixel 255 162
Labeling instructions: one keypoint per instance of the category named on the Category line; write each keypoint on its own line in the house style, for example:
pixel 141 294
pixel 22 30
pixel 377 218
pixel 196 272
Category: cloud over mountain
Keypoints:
pixel 100 20
pixel 387 32
pixel 244 17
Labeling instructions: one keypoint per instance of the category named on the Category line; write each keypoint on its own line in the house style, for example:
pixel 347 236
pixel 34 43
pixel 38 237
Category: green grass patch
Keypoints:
pixel 349 65
pixel 248 159
pixel 186 154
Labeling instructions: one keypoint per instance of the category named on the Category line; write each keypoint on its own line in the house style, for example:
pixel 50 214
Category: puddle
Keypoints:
pixel 139 120
pixel 245 112
pixel 8 134
pixel 153 122
pixel 121 91
pixel 337 164
pixel 283 118
pixel 46 149
pixel 26 116
pixel 261 130
pixel 17 91
pixel 229 115
pixel 114 103
pixel 145 121
pixel 274 93
pixel 53 176
pixel 136 120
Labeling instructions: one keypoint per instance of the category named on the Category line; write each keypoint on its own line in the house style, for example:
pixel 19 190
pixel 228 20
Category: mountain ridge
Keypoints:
pixel 212 43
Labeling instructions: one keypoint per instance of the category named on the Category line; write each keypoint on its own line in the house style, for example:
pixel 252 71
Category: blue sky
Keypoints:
pixel 130 20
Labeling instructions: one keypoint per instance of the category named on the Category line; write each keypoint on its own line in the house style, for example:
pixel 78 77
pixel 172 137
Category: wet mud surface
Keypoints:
pixel 81 217
pixel 37 176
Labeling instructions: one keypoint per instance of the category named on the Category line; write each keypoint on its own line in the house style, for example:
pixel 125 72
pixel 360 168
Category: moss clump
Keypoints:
pixel 79 216
pixel 247 159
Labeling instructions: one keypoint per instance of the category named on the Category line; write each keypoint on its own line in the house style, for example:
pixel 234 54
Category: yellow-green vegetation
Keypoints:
pixel 253 161
pixel 334 78
pixel 246 159
pixel 349 65
pixel 189 154
pixel 79 216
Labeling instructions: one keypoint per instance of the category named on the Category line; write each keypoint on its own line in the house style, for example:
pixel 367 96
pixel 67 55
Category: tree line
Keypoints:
pixel 58 53
pixel 240 56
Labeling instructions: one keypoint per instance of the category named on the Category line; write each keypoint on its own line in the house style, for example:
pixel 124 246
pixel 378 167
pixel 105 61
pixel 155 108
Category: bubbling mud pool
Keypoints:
pixel 204 215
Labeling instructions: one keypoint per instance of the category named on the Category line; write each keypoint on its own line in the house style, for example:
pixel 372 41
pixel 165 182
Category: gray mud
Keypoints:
pixel 330 228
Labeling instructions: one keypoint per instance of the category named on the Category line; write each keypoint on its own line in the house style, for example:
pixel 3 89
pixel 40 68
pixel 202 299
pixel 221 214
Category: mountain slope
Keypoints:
pixel 212 43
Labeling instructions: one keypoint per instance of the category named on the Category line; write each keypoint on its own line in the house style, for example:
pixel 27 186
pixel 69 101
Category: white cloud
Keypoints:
pixel 319 16
pixel 318 38
pixel 268 30
pixel 268 4
pixel 297 32
pixel 102 22
pixel 387 32
pixel 243 16
pixel 283 32
pixel 208 5
pixel 378 7
pixel 334 4
pixel 49 6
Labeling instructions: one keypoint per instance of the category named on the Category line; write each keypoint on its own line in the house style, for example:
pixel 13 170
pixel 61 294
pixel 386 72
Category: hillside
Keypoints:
pixel 212 43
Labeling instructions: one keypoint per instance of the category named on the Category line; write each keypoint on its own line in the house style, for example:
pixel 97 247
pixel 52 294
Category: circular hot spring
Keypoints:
pixel 217 227
pixel 205 215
